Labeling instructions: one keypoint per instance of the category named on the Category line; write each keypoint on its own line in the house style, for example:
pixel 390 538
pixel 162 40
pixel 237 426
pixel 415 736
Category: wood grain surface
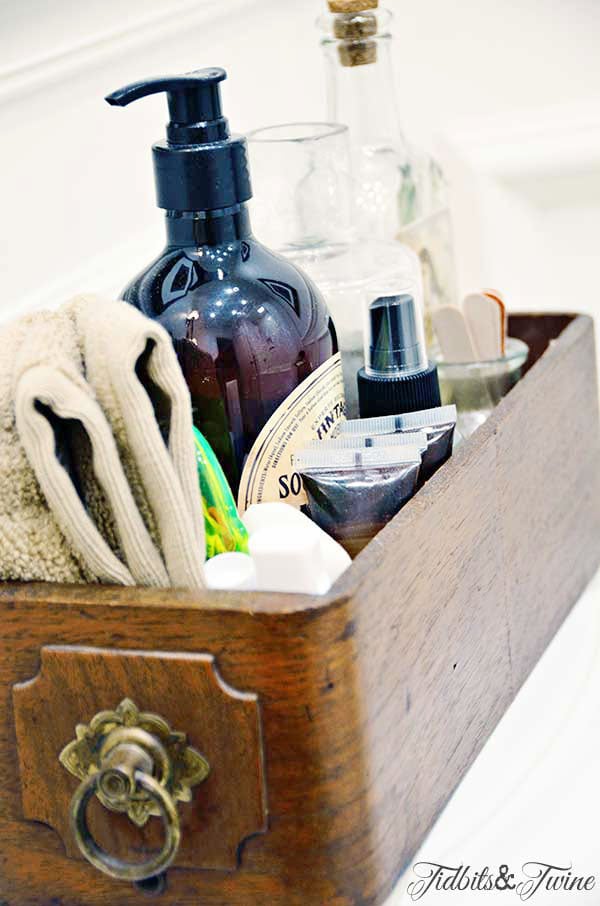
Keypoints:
pixel 375 699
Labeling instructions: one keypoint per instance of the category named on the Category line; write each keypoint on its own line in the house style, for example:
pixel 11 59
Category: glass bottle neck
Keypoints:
pixel 361 91
pixel 200 228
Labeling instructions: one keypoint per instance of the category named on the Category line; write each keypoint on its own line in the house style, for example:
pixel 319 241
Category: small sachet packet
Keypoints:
pixel 439 424
pixel 353 493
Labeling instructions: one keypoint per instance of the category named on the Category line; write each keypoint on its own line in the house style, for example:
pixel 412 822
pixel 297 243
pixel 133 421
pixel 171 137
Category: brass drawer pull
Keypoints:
pixel 110 865
pixel 134 763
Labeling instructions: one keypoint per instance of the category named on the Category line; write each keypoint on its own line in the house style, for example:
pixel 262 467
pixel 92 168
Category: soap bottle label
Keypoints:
pixel 311 412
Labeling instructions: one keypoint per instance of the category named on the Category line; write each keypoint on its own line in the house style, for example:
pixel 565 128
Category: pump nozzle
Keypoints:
pixel 194 103
pixel 201 167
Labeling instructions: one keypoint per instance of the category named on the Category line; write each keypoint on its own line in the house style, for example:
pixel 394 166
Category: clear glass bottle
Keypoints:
pixel 304 208
pixel 400 191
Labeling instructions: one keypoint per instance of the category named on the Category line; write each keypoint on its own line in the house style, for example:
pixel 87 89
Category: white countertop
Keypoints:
pixel 533 795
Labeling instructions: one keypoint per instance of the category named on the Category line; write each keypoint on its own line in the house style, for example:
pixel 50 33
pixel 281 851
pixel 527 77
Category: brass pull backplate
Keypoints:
pixel 133 762
pixel 179 766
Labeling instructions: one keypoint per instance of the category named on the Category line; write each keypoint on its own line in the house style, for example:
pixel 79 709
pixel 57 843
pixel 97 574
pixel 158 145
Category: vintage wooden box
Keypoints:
pixel 335 729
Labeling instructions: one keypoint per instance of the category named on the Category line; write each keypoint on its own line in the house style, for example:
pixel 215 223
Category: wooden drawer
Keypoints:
pixel 335 728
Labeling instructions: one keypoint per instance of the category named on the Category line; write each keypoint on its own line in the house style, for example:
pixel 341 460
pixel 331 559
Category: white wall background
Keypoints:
pixel 510 91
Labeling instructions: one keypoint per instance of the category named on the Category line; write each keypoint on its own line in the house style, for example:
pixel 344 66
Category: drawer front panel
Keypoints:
pixel 201 721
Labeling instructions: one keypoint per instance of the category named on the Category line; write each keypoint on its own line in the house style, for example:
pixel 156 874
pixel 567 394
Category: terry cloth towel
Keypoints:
pixel 133 370
pixel 32 544
pixel 69 508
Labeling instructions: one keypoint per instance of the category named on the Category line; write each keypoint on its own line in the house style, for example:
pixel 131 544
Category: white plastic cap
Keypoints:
pixel 266 515
pixel 233 571
pixel 280 515
pixel 288 558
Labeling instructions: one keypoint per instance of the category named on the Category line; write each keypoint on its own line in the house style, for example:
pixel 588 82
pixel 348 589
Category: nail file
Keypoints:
pixel 453 334
pixel 497 295
pixel 485 318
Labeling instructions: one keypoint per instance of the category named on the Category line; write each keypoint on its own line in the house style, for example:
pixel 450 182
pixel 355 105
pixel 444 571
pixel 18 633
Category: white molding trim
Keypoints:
pixel 557 140
pixel 105 274
pixel 65 62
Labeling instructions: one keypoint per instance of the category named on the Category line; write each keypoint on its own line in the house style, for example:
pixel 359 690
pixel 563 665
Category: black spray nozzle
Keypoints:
pixel 194 100
pixel 397 377
pixel 396 336
pixel 201 167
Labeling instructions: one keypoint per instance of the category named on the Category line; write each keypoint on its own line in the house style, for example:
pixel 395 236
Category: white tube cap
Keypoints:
pixel 233 571
pixel 281 515
pixel 288 558
pixel 266 515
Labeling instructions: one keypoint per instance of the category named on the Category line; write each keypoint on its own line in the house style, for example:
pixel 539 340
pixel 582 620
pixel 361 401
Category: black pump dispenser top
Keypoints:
pixel 201 166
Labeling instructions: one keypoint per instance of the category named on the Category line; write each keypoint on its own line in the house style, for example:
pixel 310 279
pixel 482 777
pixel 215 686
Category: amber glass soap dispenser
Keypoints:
pixel 248 326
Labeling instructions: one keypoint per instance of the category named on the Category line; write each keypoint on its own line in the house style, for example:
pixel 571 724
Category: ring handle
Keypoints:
pixel 134 763
pixel 111 865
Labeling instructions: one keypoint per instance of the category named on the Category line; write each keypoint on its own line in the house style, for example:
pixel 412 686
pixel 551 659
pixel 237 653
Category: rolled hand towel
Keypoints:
pixel 90 489
pixel 132 368
pixel 32 546
pixel 46 409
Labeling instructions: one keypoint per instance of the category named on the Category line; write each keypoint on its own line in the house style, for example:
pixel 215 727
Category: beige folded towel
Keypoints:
pixel 133 370
pixel 32 545
pixel 80 393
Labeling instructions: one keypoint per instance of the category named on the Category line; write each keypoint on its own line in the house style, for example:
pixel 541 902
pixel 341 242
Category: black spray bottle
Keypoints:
pixel 247 325
pixel 396 378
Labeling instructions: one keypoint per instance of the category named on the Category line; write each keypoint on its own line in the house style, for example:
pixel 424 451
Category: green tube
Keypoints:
pixel 225 531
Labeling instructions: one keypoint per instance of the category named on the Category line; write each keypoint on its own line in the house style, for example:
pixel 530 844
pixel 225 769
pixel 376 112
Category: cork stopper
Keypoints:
pixel 358 53
pixel 355 26
pixel 351 6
